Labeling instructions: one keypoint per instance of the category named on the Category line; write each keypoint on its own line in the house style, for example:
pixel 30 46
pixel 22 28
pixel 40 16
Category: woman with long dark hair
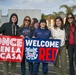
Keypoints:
pixel 70 28
pixel 58 32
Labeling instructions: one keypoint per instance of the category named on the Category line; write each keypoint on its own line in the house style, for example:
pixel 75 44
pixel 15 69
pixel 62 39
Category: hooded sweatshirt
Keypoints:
pixel 8 28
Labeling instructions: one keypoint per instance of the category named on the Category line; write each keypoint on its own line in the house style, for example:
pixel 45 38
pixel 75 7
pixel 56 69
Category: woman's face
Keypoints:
pixel 70 18
pixel 27 21
pixel 58 23
pixel 14 19
pixel 42 25
pixel 36 25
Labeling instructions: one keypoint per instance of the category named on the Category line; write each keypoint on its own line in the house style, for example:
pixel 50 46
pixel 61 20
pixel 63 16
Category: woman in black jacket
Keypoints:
pixel 70 28
pixel 11 29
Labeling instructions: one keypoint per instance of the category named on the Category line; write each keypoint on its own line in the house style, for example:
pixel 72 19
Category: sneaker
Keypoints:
pixel 44 73
pixel 35 74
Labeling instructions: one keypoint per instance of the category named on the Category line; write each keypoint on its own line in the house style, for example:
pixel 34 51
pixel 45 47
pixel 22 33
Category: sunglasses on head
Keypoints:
pixel 27 20
pixel 70 17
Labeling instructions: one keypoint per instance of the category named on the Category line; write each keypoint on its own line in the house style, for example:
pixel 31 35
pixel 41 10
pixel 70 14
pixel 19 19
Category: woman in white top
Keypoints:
pixel 58 32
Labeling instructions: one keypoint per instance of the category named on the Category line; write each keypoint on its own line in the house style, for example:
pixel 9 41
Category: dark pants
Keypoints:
pixel 44 67
pixel 71 52
pixel 23 66
pixel 30 65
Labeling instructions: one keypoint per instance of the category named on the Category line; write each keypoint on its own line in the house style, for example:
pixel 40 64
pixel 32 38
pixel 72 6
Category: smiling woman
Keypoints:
pixel 6 29
pixel 58 32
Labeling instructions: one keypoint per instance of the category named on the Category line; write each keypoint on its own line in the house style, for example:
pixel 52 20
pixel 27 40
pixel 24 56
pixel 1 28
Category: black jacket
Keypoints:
pixel 6 29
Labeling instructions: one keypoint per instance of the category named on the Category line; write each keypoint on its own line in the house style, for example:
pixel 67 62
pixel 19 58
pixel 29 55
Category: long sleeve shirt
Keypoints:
pixel 59 34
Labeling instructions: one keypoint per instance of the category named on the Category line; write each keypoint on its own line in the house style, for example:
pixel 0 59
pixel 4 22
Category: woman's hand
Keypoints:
pixel 33 37
pixel 26 37
pixel 50 38
pixel 22 36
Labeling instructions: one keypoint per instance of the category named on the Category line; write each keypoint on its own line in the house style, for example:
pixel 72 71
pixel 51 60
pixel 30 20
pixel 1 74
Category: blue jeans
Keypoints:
pixel 30 65
pixel 44 67
pixel 23 66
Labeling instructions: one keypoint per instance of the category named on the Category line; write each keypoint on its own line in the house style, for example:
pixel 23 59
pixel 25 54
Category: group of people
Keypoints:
pixel 34 29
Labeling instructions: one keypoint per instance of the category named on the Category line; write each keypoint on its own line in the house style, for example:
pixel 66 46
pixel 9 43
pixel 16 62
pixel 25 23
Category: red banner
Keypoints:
pixel 11 48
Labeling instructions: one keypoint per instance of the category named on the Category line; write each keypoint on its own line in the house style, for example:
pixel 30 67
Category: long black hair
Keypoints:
pixel 67 25
pixel 66 22
pixel 60 18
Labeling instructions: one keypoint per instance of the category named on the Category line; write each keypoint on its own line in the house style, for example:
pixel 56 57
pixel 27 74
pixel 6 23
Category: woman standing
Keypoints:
pixel 10 29
pixel 25 32
pixel 58 32
pixel 71 39
pixel 41 32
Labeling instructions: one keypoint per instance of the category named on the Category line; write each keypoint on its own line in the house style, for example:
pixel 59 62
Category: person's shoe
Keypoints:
pixel 44 73
pixel 35 74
